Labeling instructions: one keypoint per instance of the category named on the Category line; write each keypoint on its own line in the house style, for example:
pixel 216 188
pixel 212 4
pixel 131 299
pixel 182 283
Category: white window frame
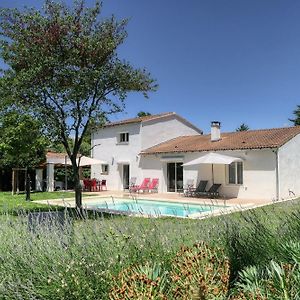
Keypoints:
pixel 126 134
pixel 103 171
pixel 236 174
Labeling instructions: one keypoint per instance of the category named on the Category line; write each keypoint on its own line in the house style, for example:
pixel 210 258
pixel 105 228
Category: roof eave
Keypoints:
pixel 210 150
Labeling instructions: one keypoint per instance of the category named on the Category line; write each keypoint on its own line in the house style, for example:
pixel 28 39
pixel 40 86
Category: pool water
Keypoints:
pixel 151 207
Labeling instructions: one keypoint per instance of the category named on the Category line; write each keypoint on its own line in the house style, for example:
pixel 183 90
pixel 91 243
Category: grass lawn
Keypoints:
pixel 84 261
pixel 11 203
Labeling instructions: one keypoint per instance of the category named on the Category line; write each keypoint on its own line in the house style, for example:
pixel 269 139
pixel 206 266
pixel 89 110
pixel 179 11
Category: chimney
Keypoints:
pixel 215 132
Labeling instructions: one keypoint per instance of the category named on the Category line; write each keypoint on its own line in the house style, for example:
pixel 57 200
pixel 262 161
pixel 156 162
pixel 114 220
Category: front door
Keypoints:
pixel 175 177
pixel 125 177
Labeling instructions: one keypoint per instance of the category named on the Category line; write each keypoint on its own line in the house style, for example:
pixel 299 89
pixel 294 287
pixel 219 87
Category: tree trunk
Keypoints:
pixel 78 188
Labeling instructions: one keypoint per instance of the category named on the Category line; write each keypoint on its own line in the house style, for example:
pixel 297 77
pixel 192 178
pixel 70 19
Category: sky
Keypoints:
pixel 233 61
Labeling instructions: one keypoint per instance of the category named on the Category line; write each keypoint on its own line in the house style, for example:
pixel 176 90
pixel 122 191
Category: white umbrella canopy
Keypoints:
pixel 88 161
pixel 83 161
pixel 213 158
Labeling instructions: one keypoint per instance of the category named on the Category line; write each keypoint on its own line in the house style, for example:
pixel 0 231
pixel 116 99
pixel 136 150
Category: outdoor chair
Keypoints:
pixel 132 183
pixel 212 192
pixel 94 186
pixel 188 186
pixel 103 185
pixel 192 192
pixel 153 186
pixel 86 185
pixel 142 187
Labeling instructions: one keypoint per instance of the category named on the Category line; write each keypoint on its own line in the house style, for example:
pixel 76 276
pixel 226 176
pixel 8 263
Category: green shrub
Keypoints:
pixel 141 283
pixel 200 272
pixel 275 281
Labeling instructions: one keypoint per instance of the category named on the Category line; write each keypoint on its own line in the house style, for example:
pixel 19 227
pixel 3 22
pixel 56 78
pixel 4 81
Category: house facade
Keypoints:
pixel 157 148
pixel 120 145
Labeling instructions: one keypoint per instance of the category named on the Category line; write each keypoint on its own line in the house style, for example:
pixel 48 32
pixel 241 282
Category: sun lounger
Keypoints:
pixel 142 187
pixel 212 192
pixel 192 192
pixel 153 186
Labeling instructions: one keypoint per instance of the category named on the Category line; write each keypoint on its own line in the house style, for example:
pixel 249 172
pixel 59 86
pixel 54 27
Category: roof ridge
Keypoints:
pixel 139 119
pixel 254 139
pixel 256 130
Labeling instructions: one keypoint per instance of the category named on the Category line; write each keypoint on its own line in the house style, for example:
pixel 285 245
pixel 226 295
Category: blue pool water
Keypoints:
pixel 151 207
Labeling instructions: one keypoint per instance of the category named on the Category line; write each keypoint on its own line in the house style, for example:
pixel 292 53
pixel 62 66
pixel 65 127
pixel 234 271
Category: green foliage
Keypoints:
pixel 141 282
pixel 243 127
pixel 85 262
pixel 296 119
pixel 143 114
pixel 197 272
pixel 14 204
pixel 22 143
pixel 64 68
pixel 200 272
pixel 276 281
pixel 63 62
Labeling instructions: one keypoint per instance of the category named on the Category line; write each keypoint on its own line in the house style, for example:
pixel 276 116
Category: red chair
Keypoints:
pixel 153 186
pixel 94 186
pixel 142 187
pixel 103 185
pixel 86 185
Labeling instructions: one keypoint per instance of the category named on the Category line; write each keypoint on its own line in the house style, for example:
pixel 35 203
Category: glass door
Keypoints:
pixel 175 177
pixel 125 177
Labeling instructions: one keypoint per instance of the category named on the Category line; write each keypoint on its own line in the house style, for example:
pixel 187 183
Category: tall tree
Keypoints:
pixel 296 113
pixel 22 143
pixel 243 127
pixel 64 67
pixel 143 114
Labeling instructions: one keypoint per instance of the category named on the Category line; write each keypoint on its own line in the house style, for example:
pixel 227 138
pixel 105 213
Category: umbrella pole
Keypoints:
pixel 66 178
pixel 212 173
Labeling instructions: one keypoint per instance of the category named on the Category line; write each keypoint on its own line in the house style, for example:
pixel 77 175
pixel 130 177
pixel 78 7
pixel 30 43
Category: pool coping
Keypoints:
pixel 131 213
pixel 231 208
pixel 70 202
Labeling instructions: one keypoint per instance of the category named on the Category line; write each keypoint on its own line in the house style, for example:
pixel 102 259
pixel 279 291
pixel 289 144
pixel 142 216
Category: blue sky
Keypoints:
pixel 233 61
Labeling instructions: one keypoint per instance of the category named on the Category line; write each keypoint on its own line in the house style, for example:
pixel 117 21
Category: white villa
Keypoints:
pixel 266 163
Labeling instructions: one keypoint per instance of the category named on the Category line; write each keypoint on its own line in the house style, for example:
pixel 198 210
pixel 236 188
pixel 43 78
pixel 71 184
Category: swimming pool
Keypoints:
pixel 151 207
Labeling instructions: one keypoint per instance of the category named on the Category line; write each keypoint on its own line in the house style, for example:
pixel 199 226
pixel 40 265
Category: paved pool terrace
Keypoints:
pixel 229 205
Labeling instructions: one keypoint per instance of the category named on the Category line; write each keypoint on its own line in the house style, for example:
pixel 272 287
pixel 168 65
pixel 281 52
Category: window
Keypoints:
pixel 235 173
pixel 104 169
pixel 124 137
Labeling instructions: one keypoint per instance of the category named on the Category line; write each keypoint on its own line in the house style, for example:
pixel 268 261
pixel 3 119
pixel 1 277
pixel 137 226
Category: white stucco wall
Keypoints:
pixel 108 149
pixel 158 131
pixel 289 168
pixel 141 136
pixel 259 173
pixel 259 165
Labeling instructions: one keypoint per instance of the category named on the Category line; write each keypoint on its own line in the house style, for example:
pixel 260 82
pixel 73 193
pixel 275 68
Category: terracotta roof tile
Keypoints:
pixel 51 154
pixel 252 139
pixel 140 119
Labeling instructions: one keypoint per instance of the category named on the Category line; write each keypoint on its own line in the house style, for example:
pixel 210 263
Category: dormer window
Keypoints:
pixel 124 137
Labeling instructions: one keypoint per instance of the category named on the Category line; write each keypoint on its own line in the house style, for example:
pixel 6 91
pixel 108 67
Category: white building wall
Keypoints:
pixel 39 180
pixel 259 165
pixel 259 174
pixel 289 168
pixel 158 131
pixel 106 147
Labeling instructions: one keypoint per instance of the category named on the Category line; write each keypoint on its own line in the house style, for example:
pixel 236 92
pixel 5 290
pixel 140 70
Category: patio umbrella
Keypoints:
pixel 63 159
pixel 83 161
pixel 88 161
pixel 213 158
